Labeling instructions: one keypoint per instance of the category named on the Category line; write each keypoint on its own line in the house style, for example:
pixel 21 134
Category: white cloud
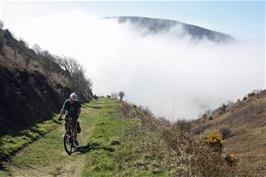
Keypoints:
pixel 152 70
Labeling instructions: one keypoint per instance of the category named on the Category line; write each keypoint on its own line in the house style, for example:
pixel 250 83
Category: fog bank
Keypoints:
pixel 177 78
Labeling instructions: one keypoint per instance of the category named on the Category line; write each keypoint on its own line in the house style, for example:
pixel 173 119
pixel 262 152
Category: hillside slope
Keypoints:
pixel 244 123
pixel 33 85
pixel 27 98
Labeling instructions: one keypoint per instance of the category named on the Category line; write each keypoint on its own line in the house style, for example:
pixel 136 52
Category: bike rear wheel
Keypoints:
pixel 68 143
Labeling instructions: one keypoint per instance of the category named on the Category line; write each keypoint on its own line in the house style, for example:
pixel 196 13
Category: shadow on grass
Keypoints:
pixel 18 129
pixel 87 148
pixel 95 106
pixel 4 166
pixel 33 133
pixel 3 161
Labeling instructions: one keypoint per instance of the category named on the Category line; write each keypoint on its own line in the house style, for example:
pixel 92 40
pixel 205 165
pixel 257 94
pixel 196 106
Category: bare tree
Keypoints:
pixel 23 43
pixel 76 74
pixel 27 62
pixel 206 114
pixel 121 95
pixel 37 49
pixel 1 25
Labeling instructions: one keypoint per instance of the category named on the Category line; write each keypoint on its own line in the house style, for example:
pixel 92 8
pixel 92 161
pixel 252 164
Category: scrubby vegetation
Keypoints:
pixel 17 53
pixel 192 157
pixel 242 127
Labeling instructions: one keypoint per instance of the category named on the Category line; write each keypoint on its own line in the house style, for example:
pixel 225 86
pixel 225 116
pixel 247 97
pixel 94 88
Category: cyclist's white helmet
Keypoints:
pixel 73 96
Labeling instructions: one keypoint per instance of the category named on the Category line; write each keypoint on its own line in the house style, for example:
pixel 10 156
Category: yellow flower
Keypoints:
pixel 215 141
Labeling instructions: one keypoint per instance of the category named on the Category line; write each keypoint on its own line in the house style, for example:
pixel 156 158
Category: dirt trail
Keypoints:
pixel 47 158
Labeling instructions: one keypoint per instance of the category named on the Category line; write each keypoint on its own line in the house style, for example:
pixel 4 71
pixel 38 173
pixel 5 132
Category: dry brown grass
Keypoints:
pixel 198 158
pixel 12 61
pixel 247 122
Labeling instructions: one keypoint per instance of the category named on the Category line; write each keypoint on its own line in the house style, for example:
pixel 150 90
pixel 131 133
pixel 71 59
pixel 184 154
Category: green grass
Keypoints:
pixel 46 157
pixel 9 144
pixel 120 147
pixel 110 145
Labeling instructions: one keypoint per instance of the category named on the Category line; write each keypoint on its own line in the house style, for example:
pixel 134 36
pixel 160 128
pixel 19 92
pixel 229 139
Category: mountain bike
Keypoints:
pixel 69 136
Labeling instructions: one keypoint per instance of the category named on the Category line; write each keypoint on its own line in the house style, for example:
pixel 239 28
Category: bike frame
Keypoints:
pixel 69 135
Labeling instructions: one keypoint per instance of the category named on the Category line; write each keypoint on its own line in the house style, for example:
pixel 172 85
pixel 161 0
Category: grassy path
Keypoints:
pixel 46 157
pixel 110 145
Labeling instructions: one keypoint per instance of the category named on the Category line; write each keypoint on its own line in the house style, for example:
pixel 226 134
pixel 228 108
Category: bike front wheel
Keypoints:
pixel 68 143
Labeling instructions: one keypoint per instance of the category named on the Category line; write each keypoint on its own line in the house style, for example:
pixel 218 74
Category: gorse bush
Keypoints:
pixel 231 158
pixel 215 141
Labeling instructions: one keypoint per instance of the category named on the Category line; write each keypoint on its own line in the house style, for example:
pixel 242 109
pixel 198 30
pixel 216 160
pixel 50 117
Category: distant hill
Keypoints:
pixel 156 26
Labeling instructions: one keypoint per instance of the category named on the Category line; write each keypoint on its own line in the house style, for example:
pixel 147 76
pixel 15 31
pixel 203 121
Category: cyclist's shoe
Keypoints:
pixel 76 143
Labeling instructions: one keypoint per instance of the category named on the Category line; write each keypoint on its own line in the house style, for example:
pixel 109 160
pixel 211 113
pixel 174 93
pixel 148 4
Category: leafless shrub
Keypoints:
pixel 206 114
pixel 200 129
pixel 223 108
pixel 114 95
pixel 226 132
pixel 146 111
pixel 253 93
pixel 183 125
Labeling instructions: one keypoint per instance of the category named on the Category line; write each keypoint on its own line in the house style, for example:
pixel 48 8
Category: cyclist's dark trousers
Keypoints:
pixel 75 122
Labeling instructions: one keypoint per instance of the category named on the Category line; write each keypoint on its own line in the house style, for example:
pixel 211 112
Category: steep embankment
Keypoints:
pixel 244 126
pixel 27 97
pixel 33 86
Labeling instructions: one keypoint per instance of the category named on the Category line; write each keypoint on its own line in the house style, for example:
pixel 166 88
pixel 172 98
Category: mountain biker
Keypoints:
pixel 72 109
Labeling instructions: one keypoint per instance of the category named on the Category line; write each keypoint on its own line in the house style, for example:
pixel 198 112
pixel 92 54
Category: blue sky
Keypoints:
pixel 236 18
pixel 231 17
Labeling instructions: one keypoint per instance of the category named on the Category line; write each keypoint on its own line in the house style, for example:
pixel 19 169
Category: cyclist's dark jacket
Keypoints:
pixel 71 108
